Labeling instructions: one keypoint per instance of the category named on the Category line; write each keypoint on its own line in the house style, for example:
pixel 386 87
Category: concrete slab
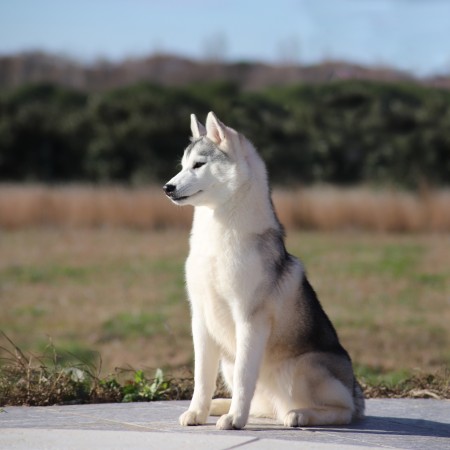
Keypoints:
pixel 407 424
pixel 26 439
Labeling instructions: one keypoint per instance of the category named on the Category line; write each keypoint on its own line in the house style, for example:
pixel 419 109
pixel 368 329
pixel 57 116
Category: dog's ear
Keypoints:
pixel 197 128
pixel 215 129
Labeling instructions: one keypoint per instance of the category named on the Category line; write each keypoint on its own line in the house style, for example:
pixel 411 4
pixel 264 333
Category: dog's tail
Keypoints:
pixel 358 398
pixel 220 406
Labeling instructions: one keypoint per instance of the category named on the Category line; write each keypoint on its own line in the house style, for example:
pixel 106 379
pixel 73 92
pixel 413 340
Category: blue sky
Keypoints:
pixel 413 35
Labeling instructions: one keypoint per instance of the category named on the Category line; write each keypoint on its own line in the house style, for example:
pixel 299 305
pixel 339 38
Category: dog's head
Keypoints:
pixel 214 165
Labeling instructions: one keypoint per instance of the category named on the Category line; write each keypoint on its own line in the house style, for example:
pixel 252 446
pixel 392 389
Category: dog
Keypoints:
pixel 253 311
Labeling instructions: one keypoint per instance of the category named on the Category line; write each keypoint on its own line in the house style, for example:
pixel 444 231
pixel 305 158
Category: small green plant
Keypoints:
pixel 143 389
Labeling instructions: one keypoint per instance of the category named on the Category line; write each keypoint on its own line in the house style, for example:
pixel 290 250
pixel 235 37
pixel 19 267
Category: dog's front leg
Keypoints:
pixel 206 367
pixel 251 340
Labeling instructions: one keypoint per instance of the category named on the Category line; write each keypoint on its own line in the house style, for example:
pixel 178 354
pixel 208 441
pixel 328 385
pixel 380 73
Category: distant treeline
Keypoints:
pixel 344 132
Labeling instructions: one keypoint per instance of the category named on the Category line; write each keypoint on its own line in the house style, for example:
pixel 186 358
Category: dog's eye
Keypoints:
pixel 197 165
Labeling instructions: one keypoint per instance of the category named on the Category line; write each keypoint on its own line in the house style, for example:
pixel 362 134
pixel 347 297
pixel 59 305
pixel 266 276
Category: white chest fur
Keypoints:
pixel 223 272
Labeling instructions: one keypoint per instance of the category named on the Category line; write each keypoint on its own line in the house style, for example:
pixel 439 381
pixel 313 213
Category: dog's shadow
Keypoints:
pixel 397 426
pixel 375 425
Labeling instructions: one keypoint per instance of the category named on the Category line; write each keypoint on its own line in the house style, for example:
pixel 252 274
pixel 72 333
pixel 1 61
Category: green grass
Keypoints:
pixel 31 274
pixel 121 293
pixel 69 352
pixel 176 291
pixel 128 325
pixel 30 311
pixel 376 376
pixel 390 260
pixel 431 280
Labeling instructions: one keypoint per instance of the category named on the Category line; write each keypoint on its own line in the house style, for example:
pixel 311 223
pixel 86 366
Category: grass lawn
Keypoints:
pixel 119 293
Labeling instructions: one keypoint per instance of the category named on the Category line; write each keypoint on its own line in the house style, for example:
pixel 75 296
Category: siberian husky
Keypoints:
pixel 253 309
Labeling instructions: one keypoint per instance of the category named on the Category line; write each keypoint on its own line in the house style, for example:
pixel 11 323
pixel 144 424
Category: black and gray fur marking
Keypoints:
pixel 207 149
pixel 358 396
pixel 317 333
pixel 276 259
pixel 191 146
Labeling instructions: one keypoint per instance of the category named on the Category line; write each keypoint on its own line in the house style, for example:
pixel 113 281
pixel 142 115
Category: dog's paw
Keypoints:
pixel 230 422
pixel 295 418
pixel 190 417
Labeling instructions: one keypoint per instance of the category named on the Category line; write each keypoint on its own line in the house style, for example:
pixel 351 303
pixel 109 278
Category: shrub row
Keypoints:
pixel 345 132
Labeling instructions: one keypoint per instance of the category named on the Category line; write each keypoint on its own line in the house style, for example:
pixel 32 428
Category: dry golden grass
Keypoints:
pixel 330 208
pixel 319 208
pixel 88 206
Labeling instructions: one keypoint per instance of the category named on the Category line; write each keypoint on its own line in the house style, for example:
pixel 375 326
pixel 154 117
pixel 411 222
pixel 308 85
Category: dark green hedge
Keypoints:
pixel 345 132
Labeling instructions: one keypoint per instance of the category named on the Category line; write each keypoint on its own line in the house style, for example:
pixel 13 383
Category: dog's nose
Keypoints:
pixel 168 188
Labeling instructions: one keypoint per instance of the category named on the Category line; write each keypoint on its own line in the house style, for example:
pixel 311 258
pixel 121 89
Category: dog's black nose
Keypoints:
pixel 168 188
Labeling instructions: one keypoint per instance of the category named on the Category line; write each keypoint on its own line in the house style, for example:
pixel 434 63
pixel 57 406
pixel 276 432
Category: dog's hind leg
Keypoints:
pixel 327 415
pixel 336 409
pixel 261 406
pixel 220 406
pixel 315 397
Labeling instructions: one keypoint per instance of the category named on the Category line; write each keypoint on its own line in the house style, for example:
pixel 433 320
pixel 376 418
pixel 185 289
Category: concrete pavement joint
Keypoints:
pixel 243 444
